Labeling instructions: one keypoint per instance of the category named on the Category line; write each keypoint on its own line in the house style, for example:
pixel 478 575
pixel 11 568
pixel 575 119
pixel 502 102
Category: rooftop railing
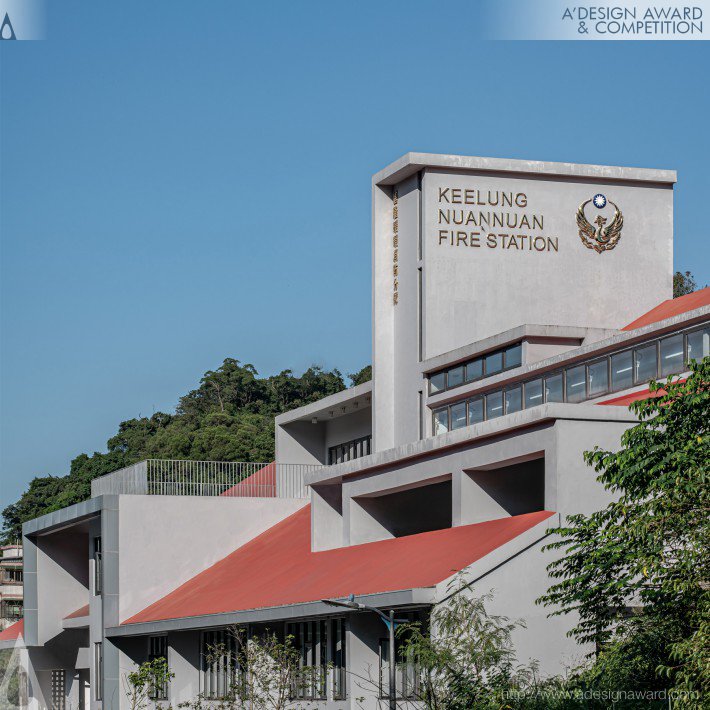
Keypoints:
pixel 206 478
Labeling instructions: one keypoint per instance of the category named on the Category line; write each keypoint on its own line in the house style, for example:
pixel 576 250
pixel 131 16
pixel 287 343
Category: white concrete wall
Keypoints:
pixel 166 540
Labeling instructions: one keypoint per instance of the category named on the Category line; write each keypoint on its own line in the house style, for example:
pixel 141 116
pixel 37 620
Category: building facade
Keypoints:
pixel 11 585
pixel 518 308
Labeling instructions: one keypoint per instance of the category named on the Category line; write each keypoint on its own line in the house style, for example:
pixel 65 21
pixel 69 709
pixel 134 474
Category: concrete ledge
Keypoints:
pixel 76 622
pixel 63 517
pixel 407 597
pixel 323 405
pixel 468 435
pixel 412 163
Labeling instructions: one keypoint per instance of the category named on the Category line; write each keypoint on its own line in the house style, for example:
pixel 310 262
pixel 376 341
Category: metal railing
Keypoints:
pixel 206 478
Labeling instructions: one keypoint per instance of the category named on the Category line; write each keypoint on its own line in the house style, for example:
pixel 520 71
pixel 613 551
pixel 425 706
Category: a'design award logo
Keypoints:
pixel 603 236
pixel 6 29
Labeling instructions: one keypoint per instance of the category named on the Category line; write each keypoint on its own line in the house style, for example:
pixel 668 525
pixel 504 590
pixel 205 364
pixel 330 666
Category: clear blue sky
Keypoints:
pixel 184 182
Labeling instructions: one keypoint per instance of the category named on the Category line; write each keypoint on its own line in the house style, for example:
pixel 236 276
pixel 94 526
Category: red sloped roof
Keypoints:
pixel 261 484
pixel 277 568
pixel 82 611
pixel 672 307
pixel 13 632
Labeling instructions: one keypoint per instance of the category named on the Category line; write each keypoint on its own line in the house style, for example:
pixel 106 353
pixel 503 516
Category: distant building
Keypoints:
pixel 11 585
pixel 518 309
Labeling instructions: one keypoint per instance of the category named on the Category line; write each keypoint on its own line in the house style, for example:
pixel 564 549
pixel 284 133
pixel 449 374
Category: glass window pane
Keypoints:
pixel 533 393
pixel 455 377
pixel 553 388
pixel 646 365
pixel 514 356
pixel 441 421
pixel 672 355
pixel 474 370
pixel 575 386
pixel 494 363
pixel 699 344
pixel 494 405
pixel 513 399
pixel 598 373
pixel 475 410
pixel 437 382
pixel 458 415
pixel 622 370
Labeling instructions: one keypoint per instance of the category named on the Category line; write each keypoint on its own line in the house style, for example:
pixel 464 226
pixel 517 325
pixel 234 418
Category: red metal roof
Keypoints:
pixel 277 568
pixel 261 484
pixel 672 307
pixel 83 611
pixel 13 632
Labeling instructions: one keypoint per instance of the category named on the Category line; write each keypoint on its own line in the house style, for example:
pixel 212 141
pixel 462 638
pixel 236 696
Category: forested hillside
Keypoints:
pixel 229 417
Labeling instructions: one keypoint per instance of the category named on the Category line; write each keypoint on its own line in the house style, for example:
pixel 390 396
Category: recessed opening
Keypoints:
pixel 516 489
pixel 412 511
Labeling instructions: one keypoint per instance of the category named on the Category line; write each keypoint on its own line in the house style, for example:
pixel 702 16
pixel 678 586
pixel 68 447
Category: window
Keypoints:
pixel 513 399
pixel 493 363
pixel 575 384
pixel 533 393
pixel 645 363
pixel 553 388
pixel 220 665
pixel 12 609
pixel 698 344
pixel 458 415
pixel 474 370
pixel 672 360
pixel 59 689
pixel 494 405
pixel 98 566
pixel 455 377
pixel 441 421
pixel 310 638
pixel 514 356
pixel 598 376
pixel 437 382
pixel 622 370
pixel 350 450
pixel 475 410
pixel 158 648
pixel 338 659
pixel 407 674
pixel 98 671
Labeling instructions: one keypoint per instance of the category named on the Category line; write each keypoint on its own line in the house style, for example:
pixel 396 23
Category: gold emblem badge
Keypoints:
pixel 602 237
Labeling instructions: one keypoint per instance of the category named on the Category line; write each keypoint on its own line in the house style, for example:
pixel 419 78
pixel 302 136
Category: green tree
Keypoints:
pixel 361 376
pixel 141 685
pixel 637 572
pixel 683 283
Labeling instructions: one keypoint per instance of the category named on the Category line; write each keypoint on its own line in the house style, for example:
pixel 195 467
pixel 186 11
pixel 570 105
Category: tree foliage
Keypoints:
pixel 683 283
pixel 140 685
pixel 228 417
pixel 639 569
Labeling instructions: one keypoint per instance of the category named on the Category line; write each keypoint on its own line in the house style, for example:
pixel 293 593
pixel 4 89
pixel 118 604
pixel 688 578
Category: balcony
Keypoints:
pixel 206 478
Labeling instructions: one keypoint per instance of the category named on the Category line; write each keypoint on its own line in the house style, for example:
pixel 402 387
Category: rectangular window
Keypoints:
pixel 598 376
pixel 622 370
pixel 458 415
pixel 59 689
pixel 221 674
pixel 475 410
pixel 441 421
pixel 349 450
pixel 474 370
pixel 407 673
pixel 575 384
pixel 494 405
pixel 437 382
pixel 645 363
pixel 672 359
pixel 310 639
pixel 513 399
pixel 11 609
pixel 455 377
pixel 553 388
pixel 98 566
pixel 338 659
pixel 493 363
pixel 698 344
pixel 514 356
pixel 98 671
pixel 533 393
pixel 158 648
